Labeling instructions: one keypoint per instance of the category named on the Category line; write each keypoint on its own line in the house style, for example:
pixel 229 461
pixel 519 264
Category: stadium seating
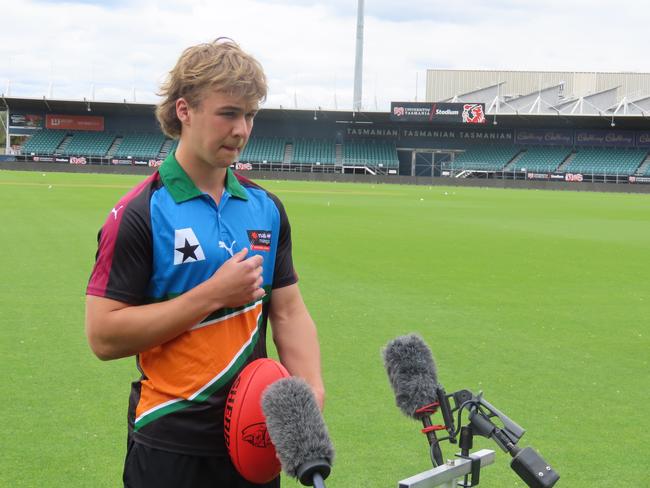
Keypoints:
pixel 43 142
pixel 355 153
pixel 370 153
pixel 140 146
pixel 542 159
pixel 89 144
pixel 314 151
pixel 264 149
pixel 611 161
pixel 173 146
pixel 485 157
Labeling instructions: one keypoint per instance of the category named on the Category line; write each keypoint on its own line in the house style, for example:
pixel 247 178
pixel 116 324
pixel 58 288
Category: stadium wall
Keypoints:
pixel 345 178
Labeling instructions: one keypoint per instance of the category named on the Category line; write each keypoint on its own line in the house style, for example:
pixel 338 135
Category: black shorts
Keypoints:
pixel 146 467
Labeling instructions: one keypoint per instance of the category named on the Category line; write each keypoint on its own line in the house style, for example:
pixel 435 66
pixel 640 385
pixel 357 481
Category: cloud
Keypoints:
pixel 308 47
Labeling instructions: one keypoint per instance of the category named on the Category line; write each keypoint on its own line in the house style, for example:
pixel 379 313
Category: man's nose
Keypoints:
pixel 241 127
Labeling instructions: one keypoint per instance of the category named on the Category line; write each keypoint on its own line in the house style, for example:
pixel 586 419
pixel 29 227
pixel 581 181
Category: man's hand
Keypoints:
pixel 116 329
pixel 238 281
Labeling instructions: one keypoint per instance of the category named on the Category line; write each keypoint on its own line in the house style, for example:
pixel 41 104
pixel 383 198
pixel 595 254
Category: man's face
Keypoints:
pixel 217 130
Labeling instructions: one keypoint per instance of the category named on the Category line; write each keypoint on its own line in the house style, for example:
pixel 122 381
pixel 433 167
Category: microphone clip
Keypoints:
pixel 426 411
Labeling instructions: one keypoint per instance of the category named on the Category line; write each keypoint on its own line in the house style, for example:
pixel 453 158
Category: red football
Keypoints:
pixel 247 439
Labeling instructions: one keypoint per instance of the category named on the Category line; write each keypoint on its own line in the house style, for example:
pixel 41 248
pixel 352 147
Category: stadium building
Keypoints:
pixel 510 125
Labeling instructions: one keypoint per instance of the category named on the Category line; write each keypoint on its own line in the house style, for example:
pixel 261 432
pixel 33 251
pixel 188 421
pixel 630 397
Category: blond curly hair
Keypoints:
pixel 218 65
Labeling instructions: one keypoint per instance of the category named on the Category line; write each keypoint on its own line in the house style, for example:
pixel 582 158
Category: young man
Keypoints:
pixel 191 264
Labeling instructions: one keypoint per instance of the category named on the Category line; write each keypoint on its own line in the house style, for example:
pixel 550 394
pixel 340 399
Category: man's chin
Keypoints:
pixel 221 162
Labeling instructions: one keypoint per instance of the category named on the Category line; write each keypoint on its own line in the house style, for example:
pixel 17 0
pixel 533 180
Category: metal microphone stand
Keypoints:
pixel 526 462
pixel 449 475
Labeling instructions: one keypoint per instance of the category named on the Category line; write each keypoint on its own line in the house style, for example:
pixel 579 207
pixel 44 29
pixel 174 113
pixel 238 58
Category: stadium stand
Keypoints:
pixel 89 144
pixel 542 159
pixel 140 146
pixel 613 161
pixel 43 142
pixel 485 157
pixel 264 149
pixel 168 146
pixel 314 151
pixel 591 146
pixel 370 153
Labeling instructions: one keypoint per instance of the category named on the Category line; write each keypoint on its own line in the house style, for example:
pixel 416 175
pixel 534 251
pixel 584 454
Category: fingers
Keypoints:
pixel 254 261
pixel 260 280
pixel 240 255
pixel 242 278
pixel 259 294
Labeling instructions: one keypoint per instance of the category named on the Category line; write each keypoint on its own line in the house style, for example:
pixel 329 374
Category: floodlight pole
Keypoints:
pixel 358 60
pixel 448 475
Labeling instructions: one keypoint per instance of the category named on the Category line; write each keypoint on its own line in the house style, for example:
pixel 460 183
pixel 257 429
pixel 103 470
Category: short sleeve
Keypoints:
pixel 123 263
pixel 284 273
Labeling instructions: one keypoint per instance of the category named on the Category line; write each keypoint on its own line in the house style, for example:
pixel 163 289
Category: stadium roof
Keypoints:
pixel 47 105
pixel 545 93
pixel 504 115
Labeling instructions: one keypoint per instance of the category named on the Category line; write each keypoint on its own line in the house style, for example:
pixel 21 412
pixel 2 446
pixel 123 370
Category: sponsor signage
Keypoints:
pixel 447 113
pixel 25 121
pixel 546 176
pixel 544 137
pixel 121 162
pixel 639 179
pixel 643 139
pixel 243 166
pixel 574 177
pixel 560 137
pixel 76 160
pixel 50 159
pixel 154 163
pixel 465 134
pixel 366 132
pixel 605 138
pixel 74 122
pixel 538 176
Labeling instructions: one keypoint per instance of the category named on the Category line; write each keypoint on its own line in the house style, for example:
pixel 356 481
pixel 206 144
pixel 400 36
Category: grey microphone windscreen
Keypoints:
pixel 295 425
pixel 411 372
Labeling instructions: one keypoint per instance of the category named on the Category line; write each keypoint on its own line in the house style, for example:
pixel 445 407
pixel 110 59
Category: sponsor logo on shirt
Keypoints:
pixel 260 240
pixel 114 211
pixel 229 249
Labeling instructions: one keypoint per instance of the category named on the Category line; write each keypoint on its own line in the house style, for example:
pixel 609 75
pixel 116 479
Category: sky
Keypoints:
pixel 112 50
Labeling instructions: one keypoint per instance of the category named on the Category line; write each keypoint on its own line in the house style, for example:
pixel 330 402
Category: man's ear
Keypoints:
pixel 182 110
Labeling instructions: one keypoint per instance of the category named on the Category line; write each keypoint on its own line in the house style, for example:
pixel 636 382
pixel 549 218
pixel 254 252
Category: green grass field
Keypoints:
pixel 539 298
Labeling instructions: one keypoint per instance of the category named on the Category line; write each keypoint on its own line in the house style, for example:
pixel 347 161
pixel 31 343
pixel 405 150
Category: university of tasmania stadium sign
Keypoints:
pixel 443 113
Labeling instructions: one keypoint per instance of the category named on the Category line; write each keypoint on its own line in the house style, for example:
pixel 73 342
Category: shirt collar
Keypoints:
pixel 182 188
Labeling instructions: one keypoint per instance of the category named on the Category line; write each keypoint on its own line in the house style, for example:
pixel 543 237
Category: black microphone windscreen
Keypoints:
pixel 295 425
pixel 412 373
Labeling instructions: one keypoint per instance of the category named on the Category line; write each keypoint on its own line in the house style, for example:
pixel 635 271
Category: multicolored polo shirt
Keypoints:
pixel 162 239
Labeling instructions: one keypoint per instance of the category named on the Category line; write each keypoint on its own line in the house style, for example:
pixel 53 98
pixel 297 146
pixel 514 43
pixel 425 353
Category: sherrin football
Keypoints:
pixel 247 439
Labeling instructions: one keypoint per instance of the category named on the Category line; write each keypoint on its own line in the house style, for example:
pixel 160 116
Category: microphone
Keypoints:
pixel 413 376
pixel 297 430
